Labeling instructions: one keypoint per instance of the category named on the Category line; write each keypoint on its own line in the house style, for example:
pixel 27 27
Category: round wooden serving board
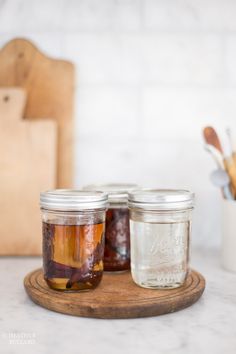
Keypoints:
pixel 117 296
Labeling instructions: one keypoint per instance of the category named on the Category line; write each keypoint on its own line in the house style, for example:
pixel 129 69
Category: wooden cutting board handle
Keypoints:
pixel 49 84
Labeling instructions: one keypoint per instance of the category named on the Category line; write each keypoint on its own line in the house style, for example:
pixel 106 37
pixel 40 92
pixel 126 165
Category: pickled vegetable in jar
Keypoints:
pixel 117 233
pixel 73 238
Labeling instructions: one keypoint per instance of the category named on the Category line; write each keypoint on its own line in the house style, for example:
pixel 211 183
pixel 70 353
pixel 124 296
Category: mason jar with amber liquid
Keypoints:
pixel 117 234
pixel 73 238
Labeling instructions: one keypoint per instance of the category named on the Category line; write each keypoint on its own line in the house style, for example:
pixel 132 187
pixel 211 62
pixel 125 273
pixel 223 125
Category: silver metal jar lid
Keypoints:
pixel 161 199
pixel 73 200
pixel 117 192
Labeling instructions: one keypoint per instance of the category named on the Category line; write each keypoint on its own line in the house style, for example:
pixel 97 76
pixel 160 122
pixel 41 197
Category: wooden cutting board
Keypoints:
pixel 117 296
pixel 27 166
pixel 49 84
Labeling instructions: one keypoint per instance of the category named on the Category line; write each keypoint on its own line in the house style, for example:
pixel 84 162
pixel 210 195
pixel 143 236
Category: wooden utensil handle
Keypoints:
pixel 234 157
pixel 230 167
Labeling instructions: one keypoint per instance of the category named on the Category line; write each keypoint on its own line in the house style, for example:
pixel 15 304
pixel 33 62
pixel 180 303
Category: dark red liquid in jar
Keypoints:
pixel 117 240
pixel 73 255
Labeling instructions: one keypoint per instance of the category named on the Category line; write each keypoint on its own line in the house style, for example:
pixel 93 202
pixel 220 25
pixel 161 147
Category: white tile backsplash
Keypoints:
pixel 230 55
pixel 31 15
pixel 181 59
pixel 95 15
pixel 182 112
pixel 150 75
pixel 105 58
pixel 73 15
pixel 107 111
pixel 180 15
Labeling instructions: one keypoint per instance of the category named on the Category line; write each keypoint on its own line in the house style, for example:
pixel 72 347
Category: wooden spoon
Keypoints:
pixel 212 138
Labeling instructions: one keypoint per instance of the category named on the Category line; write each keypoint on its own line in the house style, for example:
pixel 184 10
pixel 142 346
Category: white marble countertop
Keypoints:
pixel 209 326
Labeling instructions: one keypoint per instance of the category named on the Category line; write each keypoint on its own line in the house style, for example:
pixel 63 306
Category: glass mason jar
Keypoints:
pixel 160 228
pixel 73 238
pixel 117 234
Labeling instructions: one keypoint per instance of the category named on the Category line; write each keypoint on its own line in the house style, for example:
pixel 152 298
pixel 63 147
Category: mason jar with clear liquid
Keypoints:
pixel 160 229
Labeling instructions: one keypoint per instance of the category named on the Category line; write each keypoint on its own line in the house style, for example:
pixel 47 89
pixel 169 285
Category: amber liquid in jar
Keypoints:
pixel 117 240
pixel 73 255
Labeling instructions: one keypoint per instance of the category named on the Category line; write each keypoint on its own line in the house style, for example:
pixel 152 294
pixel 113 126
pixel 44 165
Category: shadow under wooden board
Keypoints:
pixel 49 84
pixel 117 296
pixel 28 166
